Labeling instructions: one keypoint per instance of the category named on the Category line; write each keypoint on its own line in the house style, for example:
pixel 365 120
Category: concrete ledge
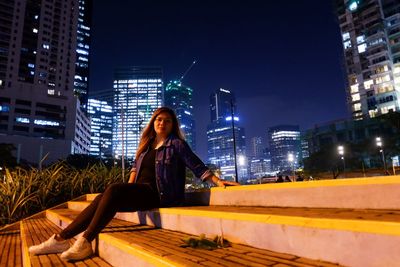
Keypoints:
pixel 356 193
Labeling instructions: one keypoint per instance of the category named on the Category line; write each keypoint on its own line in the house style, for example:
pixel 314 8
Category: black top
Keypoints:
pixel 147 173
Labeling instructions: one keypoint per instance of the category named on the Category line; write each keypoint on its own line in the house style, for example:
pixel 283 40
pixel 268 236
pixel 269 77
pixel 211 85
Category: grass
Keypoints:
pixel 25 192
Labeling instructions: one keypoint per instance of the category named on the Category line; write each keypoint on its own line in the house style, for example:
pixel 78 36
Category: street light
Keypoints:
pixel 341 154
pixel 379 144
pixel 291 160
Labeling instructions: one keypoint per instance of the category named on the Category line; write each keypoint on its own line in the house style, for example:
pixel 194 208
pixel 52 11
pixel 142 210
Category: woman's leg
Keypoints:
pixel 118 197
pixel 82 221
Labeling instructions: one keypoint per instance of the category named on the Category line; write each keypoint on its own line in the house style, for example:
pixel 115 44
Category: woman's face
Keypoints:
pixel 163 124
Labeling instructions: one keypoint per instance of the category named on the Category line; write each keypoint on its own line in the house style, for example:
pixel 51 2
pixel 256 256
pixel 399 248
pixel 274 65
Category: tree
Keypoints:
pixel 6 157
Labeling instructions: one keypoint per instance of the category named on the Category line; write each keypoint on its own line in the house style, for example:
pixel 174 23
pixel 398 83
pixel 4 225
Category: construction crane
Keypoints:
pixel 186 72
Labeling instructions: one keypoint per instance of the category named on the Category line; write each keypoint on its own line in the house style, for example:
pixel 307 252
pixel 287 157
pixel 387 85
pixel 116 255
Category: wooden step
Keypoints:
pixel 373 235
pixel 122 243
pixel 10 246
pixel 38 229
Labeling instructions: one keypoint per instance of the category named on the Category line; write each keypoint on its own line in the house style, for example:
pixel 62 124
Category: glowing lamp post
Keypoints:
pixel 341 154
pixel 379 144
pixel 291 161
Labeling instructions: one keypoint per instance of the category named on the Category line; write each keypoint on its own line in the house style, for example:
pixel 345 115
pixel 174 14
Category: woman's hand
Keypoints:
pixel 221 183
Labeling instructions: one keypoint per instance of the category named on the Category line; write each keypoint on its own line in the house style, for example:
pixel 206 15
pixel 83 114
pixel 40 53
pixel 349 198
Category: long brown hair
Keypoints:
pixel 149 134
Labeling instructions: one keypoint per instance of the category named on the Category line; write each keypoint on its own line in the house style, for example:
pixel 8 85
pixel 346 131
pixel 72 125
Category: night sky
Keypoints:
pixel 282 59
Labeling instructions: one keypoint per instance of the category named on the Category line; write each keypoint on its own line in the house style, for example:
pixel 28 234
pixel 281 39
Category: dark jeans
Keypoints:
pixel 116 198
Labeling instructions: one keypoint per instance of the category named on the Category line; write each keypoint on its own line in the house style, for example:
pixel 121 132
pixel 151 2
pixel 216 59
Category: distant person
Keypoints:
pixel 157 179
pixel 299 178
pixel 287 179
pixel 280 179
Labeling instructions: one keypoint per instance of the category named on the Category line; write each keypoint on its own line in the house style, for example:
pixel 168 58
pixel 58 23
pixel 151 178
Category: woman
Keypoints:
pixel 157 179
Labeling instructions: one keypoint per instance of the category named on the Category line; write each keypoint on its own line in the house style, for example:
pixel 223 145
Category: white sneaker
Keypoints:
pixel 80 250
pixel 50 246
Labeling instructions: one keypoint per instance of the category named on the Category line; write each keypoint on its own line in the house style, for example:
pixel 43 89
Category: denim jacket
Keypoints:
pixel 172 158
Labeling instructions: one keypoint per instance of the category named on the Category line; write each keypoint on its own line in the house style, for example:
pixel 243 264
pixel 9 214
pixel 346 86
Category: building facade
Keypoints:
pixel 220 150
pixel 284 147
pixel 359 133
pixel 138 91
pixel 220 133
pixel 101 117
pixel 81 78
pixel 180 98
pixel 371 45
pixel 38 109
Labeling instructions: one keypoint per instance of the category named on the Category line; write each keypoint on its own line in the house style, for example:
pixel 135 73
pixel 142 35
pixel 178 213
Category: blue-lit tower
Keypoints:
pixel 138 91
pixel 220 144
pixel 180 98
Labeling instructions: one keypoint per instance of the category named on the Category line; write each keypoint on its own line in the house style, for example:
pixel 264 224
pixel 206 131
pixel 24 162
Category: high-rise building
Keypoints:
pixel 284 146
pixel 138 91
pixel 220 141
pixel 101 116
pixel 221 151
pixel 180 98
pixel 81 78
pixel 221 104
pixel 256 149
pixel 259 167
pixel 371 44
pixel 38 109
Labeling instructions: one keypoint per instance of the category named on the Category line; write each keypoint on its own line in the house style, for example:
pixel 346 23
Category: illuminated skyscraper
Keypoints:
pixel 101 117
pixel 220 104
pixel 220 137
pixel 284 140
pixel 81 78
pixel 371 44
pixel 180 98
pixel 39 113
pixel 138 91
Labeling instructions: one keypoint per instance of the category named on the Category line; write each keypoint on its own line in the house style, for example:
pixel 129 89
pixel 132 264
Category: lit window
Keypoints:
pixel 346 36
pixel 4 108
pixel 361 48
pixel 355 97
pixel 372 113
pixel 396 69
pixel 30 65
pixel 357 107
pixel 46 122
pixel 347 44
pixel 50 91
pixel 354 88
pixel 353 5
pixel 360 39
pixel 46 46
pixel 35 30
pixel 22 120
pixel 387 109
pixel 367 84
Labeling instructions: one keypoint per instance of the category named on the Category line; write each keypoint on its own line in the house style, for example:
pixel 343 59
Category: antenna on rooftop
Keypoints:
pixel 188 69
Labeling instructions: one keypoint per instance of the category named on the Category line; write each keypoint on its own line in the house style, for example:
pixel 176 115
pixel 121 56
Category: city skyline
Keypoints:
pixel 272 56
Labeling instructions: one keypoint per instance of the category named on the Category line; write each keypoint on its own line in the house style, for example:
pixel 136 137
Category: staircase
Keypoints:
pixel 348 222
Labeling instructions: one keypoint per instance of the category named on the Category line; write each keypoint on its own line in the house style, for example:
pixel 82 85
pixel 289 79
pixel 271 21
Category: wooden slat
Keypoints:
pixel 10 247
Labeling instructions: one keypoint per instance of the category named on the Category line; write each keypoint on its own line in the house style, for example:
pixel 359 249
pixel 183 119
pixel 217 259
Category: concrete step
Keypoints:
pixel 355 193
pixel 316 233
pixel 123 243
pixel 37 229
